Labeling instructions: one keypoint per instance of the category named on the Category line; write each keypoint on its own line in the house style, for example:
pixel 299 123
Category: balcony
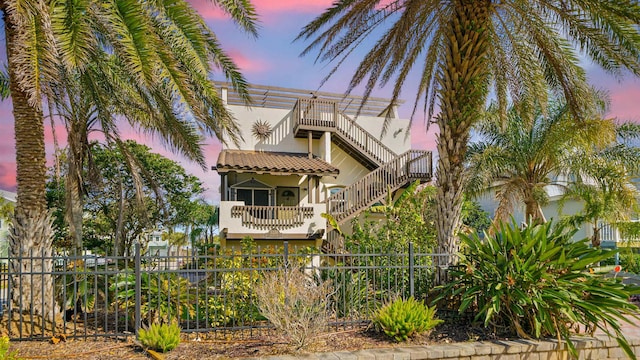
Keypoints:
pixel 272 222
pixel 611 236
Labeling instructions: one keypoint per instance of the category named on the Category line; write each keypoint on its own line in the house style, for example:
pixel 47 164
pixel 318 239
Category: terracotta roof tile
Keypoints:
pixel 272 163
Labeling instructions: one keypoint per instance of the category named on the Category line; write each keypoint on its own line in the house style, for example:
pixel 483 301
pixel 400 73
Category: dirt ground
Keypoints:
pixel 200 347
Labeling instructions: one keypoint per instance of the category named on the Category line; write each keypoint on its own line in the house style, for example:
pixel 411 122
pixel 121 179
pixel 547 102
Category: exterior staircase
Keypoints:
pixel 389 171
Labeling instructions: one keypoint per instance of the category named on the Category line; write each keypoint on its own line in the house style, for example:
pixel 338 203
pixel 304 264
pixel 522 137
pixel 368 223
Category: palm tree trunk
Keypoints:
pixel 119 241
pixel 533 211
pixel 31 232
pixel 463 86
pixel 74 192
pixel 595 238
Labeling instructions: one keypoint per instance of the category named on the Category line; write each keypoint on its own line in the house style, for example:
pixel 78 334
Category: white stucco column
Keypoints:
pixel 325 147
pixel 223 95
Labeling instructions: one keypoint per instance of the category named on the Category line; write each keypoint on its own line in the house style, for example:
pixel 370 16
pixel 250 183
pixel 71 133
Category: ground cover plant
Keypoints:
pixel 402 319
pixel 534 283
pixel 160 337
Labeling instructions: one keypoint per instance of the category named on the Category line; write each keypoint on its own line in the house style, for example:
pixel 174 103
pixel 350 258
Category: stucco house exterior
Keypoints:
pixel 305 153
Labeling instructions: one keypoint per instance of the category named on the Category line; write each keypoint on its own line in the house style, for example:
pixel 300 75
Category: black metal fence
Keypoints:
pixel 214 293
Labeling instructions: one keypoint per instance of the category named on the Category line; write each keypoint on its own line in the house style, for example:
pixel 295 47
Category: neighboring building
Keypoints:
pixel 554 210
pixel 306 153
pixel 4 224
pixel 156 246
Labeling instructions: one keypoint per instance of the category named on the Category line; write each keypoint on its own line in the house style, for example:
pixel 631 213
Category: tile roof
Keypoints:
pixel 278 163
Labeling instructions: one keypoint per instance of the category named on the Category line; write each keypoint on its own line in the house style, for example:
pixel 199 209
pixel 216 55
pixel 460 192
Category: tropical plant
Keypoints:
pixel 5 354
pixel 534 282
pixel 166 297
pixel 403 319
pixel 44 39
pixel 160 337
pixel 463 51
pixel 294 303
pixel 519 159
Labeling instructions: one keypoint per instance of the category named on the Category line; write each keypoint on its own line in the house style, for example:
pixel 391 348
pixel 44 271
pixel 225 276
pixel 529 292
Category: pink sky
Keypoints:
pixel 273 59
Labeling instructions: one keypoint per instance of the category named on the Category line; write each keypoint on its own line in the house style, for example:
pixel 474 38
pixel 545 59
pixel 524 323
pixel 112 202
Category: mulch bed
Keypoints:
pixel 199 346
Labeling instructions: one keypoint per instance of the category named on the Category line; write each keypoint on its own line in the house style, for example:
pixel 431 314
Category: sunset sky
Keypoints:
pixel 273 59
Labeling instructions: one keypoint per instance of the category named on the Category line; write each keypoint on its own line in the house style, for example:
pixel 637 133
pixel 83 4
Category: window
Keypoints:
pixel 253 192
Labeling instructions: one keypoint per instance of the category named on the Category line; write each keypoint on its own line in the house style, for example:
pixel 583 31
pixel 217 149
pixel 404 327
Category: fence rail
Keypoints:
pixel 214 293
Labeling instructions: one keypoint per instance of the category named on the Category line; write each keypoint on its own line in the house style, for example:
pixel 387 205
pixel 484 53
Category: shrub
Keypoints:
pixel 402 319
pixel 165 297
pixel 534 282
pixel 160 337
pixel 295 304
pixel 5 354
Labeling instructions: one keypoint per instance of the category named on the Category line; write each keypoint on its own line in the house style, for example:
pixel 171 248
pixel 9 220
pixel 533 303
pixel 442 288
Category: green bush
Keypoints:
pixel 534 282
pixel 165 297
pixel 5 354
pixel 160 337
pixel 403 319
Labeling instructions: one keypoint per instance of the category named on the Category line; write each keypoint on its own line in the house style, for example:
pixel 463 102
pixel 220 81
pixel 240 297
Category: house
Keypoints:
pixel 306 153
pixel 557 208
pixel 6 197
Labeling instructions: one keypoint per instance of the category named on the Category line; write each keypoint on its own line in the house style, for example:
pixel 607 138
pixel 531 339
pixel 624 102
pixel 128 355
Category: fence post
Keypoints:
pixel 411 270
pixel 138 289
pixel 286 254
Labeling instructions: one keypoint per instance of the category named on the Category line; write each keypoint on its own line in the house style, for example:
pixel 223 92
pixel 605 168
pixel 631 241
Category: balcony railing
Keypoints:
pixel 611 234
pixel 272 217
pixel 315 114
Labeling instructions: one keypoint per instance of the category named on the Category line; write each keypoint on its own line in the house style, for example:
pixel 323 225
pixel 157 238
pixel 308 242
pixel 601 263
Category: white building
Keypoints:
pixel 306 153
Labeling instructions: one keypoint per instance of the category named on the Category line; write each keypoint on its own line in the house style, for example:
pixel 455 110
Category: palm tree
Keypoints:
pixel 520 159
pixel 606 187
pixel 460 50
pixel 42 41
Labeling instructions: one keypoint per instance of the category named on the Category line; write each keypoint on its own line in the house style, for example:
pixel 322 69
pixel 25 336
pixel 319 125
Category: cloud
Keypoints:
pixel 247 64
pixel 624 102
pixel 8 176
pixel 308 6
pixel 208 10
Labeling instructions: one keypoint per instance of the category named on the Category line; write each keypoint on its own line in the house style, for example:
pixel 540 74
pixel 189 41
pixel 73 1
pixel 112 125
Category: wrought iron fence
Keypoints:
pixel 214 293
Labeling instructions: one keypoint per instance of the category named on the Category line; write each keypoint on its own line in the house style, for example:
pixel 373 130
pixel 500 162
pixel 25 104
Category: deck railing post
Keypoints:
pixel 138 290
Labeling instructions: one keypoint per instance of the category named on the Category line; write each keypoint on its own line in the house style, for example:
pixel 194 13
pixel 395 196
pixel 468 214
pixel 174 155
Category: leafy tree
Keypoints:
pixel 407 218
pixel 205 218
pixel 461 51
pixel 6 209
pixel 474 219
pixel 520 158
pixel 154 193
pixel 43 37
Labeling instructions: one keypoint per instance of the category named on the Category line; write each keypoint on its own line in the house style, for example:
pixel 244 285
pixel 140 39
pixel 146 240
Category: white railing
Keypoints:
pixel 610 233
pixel 272 217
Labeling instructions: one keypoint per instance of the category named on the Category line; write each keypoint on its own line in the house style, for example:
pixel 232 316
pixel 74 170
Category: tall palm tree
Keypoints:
pixel 162 46
pixel 520 159
pixel 462 51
